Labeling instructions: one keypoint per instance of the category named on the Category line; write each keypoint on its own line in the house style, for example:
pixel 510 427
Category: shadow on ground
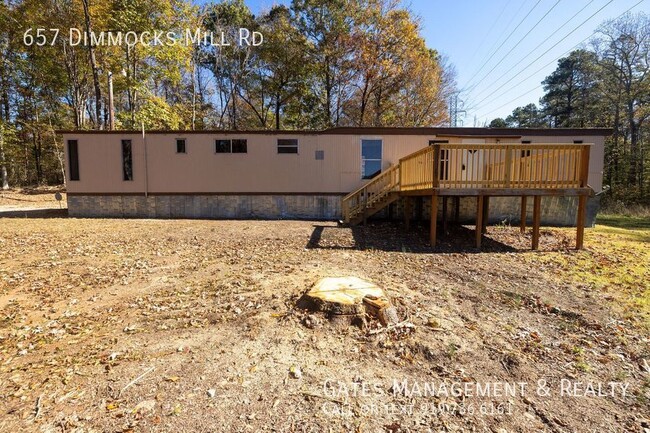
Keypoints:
pixel 34 213
pixel 387 236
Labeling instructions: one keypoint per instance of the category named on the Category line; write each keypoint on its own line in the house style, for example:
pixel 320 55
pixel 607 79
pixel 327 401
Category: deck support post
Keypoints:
pixel 365 215
pixel 537 208
pixel 457 209
pixel 522 223
pixel 582 199
pixel 479 220
pixel 486 214
pixel 434 219
pixel 445 199
pixel 407 212
pixel 580 223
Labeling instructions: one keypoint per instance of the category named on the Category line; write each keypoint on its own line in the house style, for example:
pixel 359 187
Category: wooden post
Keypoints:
pixel 537 208
pixel 434 218
pixel 582 199
pixel 419 208
pixel 444 213
pixel 522 223
pixel 486 214
pixel 508 164
pixel 580 223
pixel 479 220
pixel 365 208
pixel 456 209
pixel 435 180
pixel 407 212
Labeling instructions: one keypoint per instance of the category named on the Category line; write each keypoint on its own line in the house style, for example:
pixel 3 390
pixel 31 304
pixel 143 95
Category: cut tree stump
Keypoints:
pixel 349 297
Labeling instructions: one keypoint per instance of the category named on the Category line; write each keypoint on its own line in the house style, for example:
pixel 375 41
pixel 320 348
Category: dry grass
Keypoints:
pixel 187 307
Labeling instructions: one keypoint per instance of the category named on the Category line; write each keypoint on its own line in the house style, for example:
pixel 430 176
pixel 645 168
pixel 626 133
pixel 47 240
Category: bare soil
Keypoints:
pixel 191 326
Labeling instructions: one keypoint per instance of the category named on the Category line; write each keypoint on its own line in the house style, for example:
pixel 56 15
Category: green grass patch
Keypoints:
pixel 616 261
pixel 636 223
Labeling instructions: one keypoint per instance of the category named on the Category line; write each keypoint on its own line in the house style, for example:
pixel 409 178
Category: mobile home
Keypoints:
pixel 308 174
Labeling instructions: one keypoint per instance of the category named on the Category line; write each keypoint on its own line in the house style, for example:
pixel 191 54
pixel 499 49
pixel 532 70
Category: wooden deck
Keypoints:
pixel 445 170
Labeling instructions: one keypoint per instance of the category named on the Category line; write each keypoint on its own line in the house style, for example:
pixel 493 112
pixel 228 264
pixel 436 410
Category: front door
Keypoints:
pixel 371 153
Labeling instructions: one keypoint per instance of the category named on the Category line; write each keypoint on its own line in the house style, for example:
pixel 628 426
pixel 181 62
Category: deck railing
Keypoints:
pixel 496 166
pixel 372 192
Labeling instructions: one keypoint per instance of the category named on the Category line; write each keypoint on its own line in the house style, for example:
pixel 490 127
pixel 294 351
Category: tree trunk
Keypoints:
pixel 277 111
pixel 3 164
pixel 94 67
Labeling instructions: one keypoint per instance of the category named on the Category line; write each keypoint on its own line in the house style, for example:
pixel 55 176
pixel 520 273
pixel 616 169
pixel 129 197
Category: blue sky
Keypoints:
pixel 495 44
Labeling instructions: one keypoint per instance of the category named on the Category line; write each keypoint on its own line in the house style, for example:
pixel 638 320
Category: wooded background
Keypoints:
pixel 323 63
pixel 605 84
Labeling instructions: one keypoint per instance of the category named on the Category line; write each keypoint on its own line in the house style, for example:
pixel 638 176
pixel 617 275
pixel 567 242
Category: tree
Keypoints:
pixel 624 48
pixel 526 117
pixel 229 64
pixel 571 98
pixel 498 123
pixel 327 25
pixel 284 60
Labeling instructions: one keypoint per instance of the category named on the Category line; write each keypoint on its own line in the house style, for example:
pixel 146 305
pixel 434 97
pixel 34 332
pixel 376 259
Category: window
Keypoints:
pixel 371 151
pixel 127 160
pixel 577 141
pixel 320 155
pixel 231 146
pixel 73 159
pixel 287 145
pixel 239 146
pixel 180 145
pixel 222 146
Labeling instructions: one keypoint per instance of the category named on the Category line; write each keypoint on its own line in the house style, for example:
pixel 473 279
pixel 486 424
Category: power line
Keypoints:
pixel 489 32
pixel 519 42
pixel 534 49
pixel 544 53
pixel 567 51
pixel 502 43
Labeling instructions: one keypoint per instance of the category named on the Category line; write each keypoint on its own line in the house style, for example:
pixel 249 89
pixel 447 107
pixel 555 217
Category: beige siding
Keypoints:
pixel 261 170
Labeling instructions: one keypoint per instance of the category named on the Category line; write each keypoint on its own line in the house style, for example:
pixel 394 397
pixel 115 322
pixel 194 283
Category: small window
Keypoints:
pixel 525 141
pixel 127 160
pixel 320 155
pixel 239 146
pixel 577 141
pixel 73 159
pixel 180 145
pixel 222 146
pixel 287 145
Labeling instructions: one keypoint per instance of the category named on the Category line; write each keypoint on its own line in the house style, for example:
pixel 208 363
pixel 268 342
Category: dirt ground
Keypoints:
pixel 191 326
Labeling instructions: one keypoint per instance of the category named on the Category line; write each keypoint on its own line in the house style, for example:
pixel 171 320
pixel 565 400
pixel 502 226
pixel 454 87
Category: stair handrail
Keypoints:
pixel 363 192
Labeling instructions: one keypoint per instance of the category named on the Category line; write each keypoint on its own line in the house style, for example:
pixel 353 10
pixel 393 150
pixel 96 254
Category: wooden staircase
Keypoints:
pixel 372 197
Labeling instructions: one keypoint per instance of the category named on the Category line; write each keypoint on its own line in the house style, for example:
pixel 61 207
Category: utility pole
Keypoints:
pixel 455 108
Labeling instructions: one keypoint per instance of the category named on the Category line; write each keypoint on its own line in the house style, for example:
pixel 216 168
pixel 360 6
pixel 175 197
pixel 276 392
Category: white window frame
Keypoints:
pixel 381 160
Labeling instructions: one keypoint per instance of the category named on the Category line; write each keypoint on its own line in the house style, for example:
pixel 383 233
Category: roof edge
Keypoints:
pixel 449 131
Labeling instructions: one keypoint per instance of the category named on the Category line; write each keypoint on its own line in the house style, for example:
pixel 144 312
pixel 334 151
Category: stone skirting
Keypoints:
pixel 556 211
pixel 320 207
